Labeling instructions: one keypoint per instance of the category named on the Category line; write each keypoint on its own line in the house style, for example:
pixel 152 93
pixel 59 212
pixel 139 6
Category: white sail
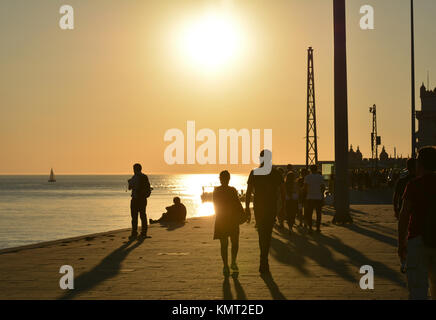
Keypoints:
pixel 52 176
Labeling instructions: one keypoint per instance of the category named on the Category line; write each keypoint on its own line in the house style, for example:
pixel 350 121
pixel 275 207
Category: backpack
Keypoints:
pixel 144 190
pixel 429 232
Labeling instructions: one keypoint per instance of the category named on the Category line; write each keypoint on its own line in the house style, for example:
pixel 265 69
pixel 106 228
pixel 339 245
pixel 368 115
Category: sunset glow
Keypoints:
pixel 211 41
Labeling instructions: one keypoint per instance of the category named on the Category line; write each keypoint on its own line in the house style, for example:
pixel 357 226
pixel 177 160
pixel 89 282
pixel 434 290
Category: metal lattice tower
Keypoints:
pixel 375 139
pixel 311 137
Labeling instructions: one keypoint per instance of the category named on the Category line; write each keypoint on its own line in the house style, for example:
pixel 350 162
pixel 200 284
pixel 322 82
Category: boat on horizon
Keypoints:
pixel 208 196
pixel 52 176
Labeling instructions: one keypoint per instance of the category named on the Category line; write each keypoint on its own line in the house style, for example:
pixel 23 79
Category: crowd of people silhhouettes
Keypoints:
pixel 291 196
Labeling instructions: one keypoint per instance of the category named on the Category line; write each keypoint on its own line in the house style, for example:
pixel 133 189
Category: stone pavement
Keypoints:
pixel 185 263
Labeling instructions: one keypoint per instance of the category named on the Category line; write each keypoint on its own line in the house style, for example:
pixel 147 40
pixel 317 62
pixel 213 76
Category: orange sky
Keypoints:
pixel 100 97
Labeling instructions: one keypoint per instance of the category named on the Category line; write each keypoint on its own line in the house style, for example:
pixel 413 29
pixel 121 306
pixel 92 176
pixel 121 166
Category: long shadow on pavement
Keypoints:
pixel 227 292
pixel 273 287
pixel 108 268
pixel 319 248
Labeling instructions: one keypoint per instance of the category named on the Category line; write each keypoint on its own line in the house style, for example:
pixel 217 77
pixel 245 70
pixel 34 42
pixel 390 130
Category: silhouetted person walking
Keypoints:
pixel 291 186
pixel 228 214
pixel 417 227
pixel 401 184
pixel 314 187
pixel 141 190
pixel 264 181
pixel 301 195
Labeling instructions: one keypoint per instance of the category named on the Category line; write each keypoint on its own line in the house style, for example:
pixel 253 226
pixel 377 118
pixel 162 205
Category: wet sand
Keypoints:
pixel 184 263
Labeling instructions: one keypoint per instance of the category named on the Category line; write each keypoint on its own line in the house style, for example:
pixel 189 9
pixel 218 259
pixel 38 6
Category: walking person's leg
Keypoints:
pixel 431 259
pixel 235 248
pixel 300 213
pixel 308 212
pixel 265 232
pixel 318 208
pixel 291 210
pixel 417 272
pixel 134 215
pixel 144 222
pixel 225 255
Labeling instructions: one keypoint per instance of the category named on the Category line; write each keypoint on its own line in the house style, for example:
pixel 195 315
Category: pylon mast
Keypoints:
pixel 311 137
pixel 375 139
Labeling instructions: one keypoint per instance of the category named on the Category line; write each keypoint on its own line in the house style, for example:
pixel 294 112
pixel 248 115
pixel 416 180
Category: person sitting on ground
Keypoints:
pixel 175 213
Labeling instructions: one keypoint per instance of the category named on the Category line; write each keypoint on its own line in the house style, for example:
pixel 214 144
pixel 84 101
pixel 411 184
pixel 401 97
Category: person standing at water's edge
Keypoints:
pixel 141 190
pixel 265 187
pixel 228 214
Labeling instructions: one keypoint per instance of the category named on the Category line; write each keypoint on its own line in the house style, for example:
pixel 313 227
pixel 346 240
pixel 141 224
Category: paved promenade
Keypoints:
pixel 184 263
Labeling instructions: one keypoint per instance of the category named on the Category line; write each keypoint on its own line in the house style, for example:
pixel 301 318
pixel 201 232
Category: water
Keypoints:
pixel 33 210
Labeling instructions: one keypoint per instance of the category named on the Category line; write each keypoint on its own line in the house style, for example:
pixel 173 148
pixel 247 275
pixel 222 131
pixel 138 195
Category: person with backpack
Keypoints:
pixel 141 190
pixel 417 227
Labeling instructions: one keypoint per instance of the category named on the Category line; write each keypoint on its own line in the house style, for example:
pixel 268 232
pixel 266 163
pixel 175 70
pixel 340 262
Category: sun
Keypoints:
pixel 212 40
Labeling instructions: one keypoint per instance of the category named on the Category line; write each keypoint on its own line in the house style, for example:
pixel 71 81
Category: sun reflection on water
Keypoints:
pixel 193 189
pixel 205 209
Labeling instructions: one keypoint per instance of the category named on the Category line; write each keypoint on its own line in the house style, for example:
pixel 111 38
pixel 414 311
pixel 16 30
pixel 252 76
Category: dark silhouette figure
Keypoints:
pixel 228 214
pixel 291 187
pixel 314 188
pixel 176 214
pixel 301 195
pixel 141 190
pixel 265 182
pixel 417 225
pixel 401 184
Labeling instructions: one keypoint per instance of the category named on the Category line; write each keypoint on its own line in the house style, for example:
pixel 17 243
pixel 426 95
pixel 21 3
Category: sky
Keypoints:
pixel 101 97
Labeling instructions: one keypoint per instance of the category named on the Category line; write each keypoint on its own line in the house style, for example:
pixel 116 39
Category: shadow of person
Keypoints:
pixel 172 225
pixel 227 292
pixel 240 293
pixel 273 287
pixel 320 249
pixel 108 268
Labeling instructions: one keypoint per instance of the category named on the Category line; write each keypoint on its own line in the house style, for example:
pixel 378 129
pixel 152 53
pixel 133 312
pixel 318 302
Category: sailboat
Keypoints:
pixel 52 176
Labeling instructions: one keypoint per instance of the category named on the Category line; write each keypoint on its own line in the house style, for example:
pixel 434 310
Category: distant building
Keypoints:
pixel 356 160
pixel 426 134
pixel 384 155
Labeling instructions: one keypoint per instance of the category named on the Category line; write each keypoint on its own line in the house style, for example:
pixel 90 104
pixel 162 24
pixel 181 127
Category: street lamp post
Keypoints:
pixel 342 204
pixel 412 24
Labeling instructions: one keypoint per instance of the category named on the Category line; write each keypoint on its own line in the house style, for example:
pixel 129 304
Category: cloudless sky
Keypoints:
pixel 100 97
